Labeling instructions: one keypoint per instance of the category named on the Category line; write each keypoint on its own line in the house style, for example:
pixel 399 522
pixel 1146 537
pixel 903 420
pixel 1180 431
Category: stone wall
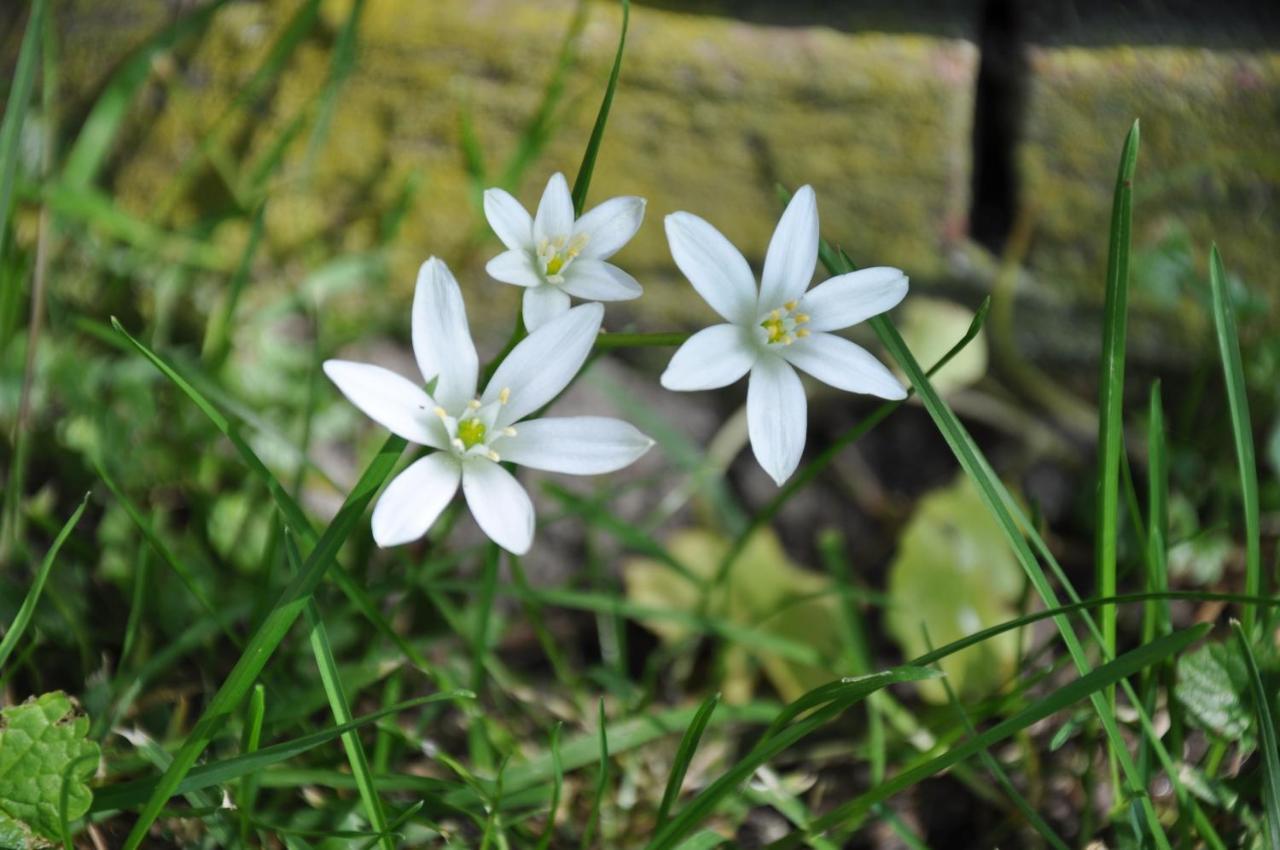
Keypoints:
pixel 873 104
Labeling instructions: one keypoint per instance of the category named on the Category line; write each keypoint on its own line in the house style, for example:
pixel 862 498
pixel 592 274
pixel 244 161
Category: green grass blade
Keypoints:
pixel 126 795
pixel 1111 402
pixel 15 110
pixel 1268 748
pixel 583 182
pixel 684 755
pixel 98 133
pixel 288 607
pixel 602 779
pixel 557 787
pixel 702 806
pixel 338 705
pixel 1089 684
pixel 250 742
pixel 1238 398
pixel 25 611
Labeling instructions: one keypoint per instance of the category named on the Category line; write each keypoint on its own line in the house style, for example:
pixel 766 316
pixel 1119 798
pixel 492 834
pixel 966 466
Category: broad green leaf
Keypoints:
pixel 765 592
pixel 954 571
pixel 929 325
pixel 1213 685
pixel 42 745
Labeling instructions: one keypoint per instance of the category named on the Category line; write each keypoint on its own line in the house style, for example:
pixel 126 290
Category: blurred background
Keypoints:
pixel 250 187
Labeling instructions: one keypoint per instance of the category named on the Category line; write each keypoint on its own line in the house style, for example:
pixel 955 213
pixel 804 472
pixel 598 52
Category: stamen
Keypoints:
pixel 790 305
pixel 801 318
pixel 474 404
pixel 494 456
pixel 508 431
pixel 441 412
pixel 457 444
pixel 801 333
pixel 504 395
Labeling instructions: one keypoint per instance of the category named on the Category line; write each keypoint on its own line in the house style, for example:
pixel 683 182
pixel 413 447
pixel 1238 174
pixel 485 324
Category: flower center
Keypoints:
pixel 783 325
pixel 555 255
pixel 475 430
pixel 471 432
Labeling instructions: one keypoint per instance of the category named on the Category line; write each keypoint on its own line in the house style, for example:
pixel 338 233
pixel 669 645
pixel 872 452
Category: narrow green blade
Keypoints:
pixel 588 166
pixel 1238 398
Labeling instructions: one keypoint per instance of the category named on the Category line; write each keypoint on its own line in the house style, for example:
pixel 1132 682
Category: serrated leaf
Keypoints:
pixel 42 745
pixel 1213 684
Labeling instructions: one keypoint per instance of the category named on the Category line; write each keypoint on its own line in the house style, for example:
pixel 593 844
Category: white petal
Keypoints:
pixel 414 499
pixel 514 266
pixel 776 417
pixel 854 297
pixel 596 280
pixel 555 210
pixel 609 226
pixel 717 270
pixel 844 365
pixel 441 337
pixel 793 252
pixel 500 505
pixel 542 304
pixel 544 362
pixel 578 445
pixel 713 357
pixel 509 219
pixel 395 403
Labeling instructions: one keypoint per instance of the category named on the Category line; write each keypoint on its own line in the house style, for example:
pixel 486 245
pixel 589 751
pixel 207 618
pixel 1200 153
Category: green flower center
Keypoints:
pixel 471 432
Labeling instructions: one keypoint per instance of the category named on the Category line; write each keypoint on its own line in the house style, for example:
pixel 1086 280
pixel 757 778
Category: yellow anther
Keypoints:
pixel 457 444
pixel 775 314
pixel 474 404
pixel 504 395
pixel 441 412
pixel 801 318
pixel 494 456
pixel 508 431
pixel 790 305
pixel 801 333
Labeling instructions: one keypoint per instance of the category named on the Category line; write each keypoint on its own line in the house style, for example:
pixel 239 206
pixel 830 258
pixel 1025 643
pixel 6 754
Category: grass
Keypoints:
pixel 258 674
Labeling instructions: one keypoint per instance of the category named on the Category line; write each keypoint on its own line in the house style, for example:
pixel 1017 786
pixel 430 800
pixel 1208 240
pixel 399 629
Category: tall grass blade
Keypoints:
pixel 684 755
pixel 602 779
pixel 338 705
pixel 23 618
pixel 557 787
pixel 1268 748
pixel 15 110
pixel 1238 398
pixel 588 166
pixel 1111 399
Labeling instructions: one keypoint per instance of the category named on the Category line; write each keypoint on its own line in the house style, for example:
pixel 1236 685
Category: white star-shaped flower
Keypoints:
pixel 778 327
pixel 553 255
pixel 473 433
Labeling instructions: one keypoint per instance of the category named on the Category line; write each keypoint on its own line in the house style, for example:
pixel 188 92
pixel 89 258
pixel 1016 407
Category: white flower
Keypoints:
pixel 553 256
pixel 778 327
pixel 473 433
